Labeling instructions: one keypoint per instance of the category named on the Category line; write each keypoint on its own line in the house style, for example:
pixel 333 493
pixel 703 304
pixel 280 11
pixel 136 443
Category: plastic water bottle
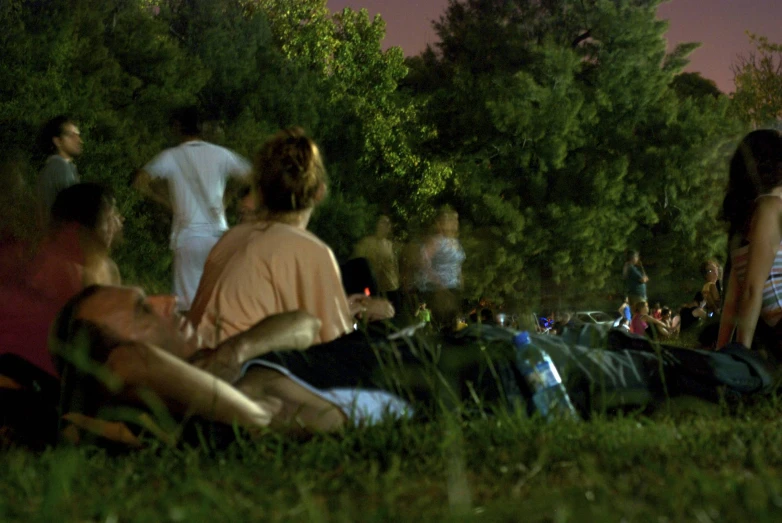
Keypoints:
pixel 548 393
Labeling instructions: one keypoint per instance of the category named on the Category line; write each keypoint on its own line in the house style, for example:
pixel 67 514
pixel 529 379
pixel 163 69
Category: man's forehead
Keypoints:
pixel 109 300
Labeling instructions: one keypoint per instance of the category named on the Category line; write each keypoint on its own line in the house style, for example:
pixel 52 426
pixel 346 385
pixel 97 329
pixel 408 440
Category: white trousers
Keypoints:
pixel 189 259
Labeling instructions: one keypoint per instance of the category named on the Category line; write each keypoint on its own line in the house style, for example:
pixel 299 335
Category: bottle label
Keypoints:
pixel 544 376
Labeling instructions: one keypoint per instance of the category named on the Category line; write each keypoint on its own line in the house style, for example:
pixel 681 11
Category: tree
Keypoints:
pixel 569 143
pixel 758 79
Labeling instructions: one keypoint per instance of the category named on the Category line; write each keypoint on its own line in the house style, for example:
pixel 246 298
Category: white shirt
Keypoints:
pixel 197 173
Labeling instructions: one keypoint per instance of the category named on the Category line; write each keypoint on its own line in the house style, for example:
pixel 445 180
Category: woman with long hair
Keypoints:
pixel 275 264
pixel 753 210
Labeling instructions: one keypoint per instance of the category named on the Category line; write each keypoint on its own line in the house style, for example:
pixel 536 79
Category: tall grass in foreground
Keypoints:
pixel 689 462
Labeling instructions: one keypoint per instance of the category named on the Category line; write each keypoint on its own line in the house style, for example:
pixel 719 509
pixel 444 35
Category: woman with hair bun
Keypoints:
pixel 274 264
pixel 753 210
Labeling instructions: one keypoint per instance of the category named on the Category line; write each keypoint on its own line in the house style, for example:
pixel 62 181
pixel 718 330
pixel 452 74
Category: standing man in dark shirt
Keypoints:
pixel 62 140
pixel 635 278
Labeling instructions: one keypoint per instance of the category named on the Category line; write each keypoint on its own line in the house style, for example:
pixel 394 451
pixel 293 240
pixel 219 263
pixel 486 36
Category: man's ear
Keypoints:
pixel 57 141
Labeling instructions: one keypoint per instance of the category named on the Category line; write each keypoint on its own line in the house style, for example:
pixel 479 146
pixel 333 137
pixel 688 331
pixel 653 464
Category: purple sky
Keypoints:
pixel 719 25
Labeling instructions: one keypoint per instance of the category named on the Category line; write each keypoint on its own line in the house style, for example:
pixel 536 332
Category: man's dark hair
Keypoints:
pixel 51 130
pixel 186 121
pixel 79 348
pixel 66 330
pixel 698 296
pixel 83 203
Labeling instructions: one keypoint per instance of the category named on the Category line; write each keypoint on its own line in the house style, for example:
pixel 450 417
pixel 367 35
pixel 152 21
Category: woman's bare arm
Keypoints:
pixel 729 308
pixel 295 330
pixel 764 238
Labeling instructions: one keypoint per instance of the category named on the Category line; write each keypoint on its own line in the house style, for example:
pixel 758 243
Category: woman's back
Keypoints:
pixel 265 268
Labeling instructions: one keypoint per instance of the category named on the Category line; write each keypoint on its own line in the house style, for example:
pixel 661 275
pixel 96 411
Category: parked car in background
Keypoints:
pixel 599 317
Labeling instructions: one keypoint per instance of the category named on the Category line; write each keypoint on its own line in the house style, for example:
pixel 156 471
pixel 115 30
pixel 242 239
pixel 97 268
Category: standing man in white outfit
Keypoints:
pixel 196 173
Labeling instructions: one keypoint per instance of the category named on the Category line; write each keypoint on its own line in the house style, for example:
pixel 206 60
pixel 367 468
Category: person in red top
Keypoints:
pixel 73 255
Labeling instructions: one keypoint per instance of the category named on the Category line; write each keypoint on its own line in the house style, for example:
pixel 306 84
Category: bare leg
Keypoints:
pixel 300 407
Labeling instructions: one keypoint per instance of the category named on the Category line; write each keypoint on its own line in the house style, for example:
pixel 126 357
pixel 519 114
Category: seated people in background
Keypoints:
pixel 753 210
pixel 692 312
pixel 657 312
pixel 642 320
pixel 672 323
pixel 74 254
pixel 712 273
pixel 274 264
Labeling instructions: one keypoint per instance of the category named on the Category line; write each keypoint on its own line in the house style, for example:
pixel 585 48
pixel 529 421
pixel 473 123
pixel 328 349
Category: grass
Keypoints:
pixel 688 462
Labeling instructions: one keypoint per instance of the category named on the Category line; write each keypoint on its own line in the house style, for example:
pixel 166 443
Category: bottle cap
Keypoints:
pixel 522 338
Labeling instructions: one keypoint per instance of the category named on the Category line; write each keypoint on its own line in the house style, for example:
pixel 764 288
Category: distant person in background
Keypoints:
pixel 423 314
pixel 712 288
pixel 752 207
pixel 642 321
pixel 61 140
pixel 635 278
pixel 672 323
pixel 380 252
pixel 196 174
pixel 693 312
pixel 625 310
pixel 657 312
pixel 439 277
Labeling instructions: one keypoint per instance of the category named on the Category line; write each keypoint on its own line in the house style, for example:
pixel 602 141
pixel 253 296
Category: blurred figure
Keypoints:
pixel 61 140
pixel 196 174
pixel 85 224
pixel 75 253
pixel 439 277
pixel 635 278
pixel 379 251
pixel 19 228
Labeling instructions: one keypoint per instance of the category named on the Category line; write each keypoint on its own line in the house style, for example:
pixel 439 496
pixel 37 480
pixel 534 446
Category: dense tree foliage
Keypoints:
pixel 758 78
pixel 570 143
pixel 560 129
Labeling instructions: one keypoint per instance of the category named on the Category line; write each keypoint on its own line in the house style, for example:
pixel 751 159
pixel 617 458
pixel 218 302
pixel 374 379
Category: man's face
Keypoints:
pixel 68 144
pixel 126 313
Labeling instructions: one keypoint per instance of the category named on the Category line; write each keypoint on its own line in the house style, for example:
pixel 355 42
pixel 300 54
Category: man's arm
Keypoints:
pixel 185 389
pixel 295 330
pixel 156 190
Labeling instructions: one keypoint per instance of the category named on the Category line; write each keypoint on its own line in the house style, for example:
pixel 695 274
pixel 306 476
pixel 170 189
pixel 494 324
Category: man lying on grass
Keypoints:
pixel 115 349
pixel 118 351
